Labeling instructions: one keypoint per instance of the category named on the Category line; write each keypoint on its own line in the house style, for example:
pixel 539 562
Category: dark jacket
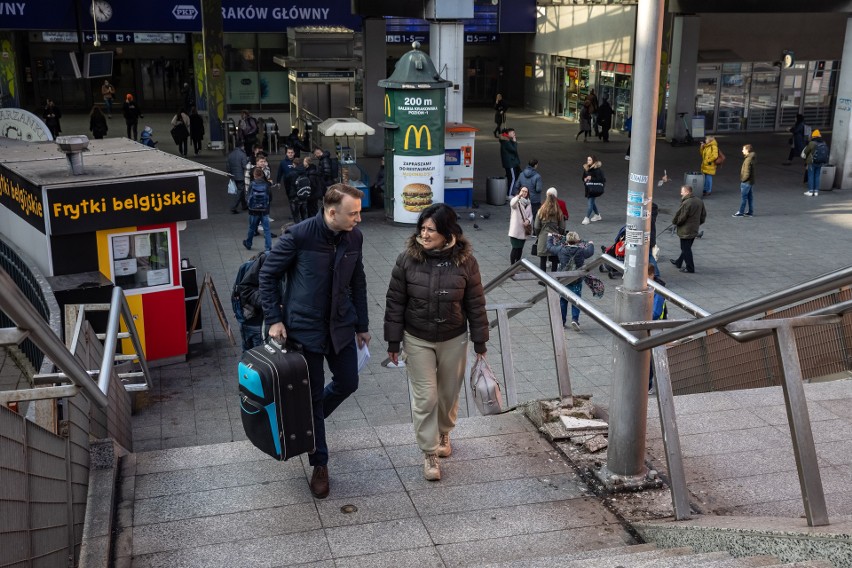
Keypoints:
pixel 51 115
pixel 131 112
pixel 98 126
pixel 509 152
pixel 598 182
pixel 689 217
pixel 236 164
pixel 500 112
pixel 318 186
pixel 747 170
pixel 434 294
pixel 565 252
pixel 196 126
pixel 653 238
pixel 249 292
pixel 530 179
pixel 541 227
pixel 605 114
pixel 798 132
pixel 324 303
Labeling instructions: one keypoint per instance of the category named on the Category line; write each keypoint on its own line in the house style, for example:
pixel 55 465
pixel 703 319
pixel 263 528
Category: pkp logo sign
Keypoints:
pixel 184 12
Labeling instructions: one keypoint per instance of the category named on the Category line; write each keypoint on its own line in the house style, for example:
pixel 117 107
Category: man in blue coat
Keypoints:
pixel 323 306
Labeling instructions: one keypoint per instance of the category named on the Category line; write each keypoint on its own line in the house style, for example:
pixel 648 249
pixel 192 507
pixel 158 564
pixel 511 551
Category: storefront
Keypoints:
pixel 615 82
pixel 760 96
pixel 577 86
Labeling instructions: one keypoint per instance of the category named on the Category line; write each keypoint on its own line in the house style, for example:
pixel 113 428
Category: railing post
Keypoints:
pixel 560 352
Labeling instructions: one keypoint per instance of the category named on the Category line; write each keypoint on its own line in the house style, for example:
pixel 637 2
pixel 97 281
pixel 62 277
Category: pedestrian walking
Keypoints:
pixel 594 184
pixel 132 113
pixel 435 293
pixel 314 294
pixel 196 129
pixel 549 220
pixel 98 123
pixel 688 220
pixel 259 199
pixel 571 254
pixel 798 139
pixel 816 156
pixel 520 223
pixel 108 94
pixel 591 104
pixel 509 156
pixel 500 109
pixel 51 115
pixel 531 179
pixel 235 165
pixel 585 124
pixel 604 120
pixel 709 156
pixel 247 130
pixel 180 131
pixel 747 182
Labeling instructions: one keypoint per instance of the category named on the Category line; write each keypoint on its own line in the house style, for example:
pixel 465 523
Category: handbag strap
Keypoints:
pixel 521 211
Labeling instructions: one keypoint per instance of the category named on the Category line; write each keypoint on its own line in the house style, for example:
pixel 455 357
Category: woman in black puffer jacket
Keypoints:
pixel 434 293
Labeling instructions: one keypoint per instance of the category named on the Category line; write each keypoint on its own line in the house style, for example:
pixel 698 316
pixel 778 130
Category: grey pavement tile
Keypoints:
pixel 426 557
pixel 493 494
pixel 520 547
pixel 352 439
pixel 216 477
pixel 722 421
pixel 147 445
pixel 778 461
pixel 182 441
pixel 357 484
pixel 827 430
pixel 367 459
pixel 835 453
pixel 336 425
pixel 230 528
pixel 454 472
pixel 368 509
pixel 734 441
pixel 517 520
pixel 475 448
pixel 204 503
pixel 839 407
pixel 777 414
pixel 749 490
pixel 191 458
pixel 830 390
pixel 370 538
pixel 147 432
pixel 267 552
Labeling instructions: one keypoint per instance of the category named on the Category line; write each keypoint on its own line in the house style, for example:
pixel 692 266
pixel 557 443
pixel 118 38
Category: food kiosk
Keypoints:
pixel 345 133
pixel 116 208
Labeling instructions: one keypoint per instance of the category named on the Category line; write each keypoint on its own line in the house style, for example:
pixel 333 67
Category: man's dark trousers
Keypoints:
pixel 344 381
pixel 685 258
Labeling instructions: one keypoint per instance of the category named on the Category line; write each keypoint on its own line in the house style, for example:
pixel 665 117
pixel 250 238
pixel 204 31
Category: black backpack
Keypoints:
pixel 258 196
pixel 821 153
pixel 236 304
pixel 303 188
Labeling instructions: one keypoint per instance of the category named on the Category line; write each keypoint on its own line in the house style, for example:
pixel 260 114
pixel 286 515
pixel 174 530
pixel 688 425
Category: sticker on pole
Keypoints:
pixel 634 237
pixel 636 197
pixel 637 211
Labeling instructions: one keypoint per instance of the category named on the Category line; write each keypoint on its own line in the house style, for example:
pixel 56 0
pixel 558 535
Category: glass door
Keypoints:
pixel 763 96
pixel 791 94
pixel 161 83
pixel 733 93
pixel 706 95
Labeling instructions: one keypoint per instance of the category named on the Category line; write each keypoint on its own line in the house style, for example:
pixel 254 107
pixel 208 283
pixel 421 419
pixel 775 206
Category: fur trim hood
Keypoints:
pixel 459 251
pixel 597 164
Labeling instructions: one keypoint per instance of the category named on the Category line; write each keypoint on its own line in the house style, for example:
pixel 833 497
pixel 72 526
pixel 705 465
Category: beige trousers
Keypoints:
pixel 436 373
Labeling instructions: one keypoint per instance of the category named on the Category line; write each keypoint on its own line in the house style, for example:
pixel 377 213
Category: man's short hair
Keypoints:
pixel 533 163
pixel 334 194
pixel 687 188
pixel 261 154
pixel 747 147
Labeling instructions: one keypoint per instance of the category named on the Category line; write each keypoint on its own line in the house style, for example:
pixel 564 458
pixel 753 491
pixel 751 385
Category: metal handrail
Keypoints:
pixel 16 305
pixel 704 320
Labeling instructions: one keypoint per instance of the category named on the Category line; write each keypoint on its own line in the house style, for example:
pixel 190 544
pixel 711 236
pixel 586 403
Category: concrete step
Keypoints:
pixel 603 558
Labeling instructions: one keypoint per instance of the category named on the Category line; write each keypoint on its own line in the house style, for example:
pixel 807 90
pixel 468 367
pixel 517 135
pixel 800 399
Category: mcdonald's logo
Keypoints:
pixel 418 135
pixel 387 106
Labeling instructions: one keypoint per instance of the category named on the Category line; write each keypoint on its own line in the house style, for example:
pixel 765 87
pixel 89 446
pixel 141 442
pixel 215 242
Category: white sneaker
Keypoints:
pixel 595 217
pixel 445 449
pixel 809 193
pixel 575 325
pixel 627 157
pixel 585 221
pixel 431 468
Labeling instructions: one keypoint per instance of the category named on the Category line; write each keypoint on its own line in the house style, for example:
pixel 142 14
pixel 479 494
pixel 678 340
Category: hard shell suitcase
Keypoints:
pixel 275 401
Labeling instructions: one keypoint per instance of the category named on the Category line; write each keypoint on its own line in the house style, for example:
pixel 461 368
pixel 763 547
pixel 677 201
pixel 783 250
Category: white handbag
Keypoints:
pixel 232 187
pixel 485 389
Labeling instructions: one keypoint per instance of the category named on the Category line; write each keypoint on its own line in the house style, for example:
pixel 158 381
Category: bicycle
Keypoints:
pixel 687 140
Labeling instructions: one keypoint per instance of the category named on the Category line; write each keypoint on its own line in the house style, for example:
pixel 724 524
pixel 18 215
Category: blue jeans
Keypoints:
pixel 592 209
pixel 745 191
pixel 251 335
pixel 814 171
pixel 254 221
pixel 344 381
pixel 577 288
pixel 708 184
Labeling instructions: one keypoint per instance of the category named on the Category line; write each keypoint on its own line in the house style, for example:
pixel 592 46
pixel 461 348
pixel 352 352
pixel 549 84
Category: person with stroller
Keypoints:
pixel 520 221
pixel 594 182
pixel 548 220
pixel 572 254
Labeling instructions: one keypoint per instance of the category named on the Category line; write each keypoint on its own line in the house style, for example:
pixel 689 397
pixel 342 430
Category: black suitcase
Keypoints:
pixel 275 401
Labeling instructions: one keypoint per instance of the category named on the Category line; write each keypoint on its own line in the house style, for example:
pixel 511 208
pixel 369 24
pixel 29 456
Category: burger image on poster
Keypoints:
pixel 416 197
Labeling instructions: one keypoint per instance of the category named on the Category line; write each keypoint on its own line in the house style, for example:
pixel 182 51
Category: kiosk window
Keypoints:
pixel 141 260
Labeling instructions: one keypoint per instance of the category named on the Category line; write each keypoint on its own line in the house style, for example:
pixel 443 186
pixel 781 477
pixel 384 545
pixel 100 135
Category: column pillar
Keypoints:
pixel 683 73
pixel 375 61
pixel 841 132
pixel 446 48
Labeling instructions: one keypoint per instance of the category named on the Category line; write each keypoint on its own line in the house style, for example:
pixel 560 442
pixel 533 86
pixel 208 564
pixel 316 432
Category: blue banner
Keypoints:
pixel 175 15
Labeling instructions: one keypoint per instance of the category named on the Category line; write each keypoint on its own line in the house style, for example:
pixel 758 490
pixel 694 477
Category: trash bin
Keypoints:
pixel 270 140
pixel 826 178
pixel 695 180
pixel 230 134
pixel 496 189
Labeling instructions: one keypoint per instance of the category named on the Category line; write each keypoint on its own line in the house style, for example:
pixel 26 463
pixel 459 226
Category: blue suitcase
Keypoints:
pixel 275 401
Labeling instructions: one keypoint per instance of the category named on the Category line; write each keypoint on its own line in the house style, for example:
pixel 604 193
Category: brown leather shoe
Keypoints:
pixel 319 482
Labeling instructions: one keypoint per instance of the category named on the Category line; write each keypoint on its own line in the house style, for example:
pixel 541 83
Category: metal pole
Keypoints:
pixel 629 402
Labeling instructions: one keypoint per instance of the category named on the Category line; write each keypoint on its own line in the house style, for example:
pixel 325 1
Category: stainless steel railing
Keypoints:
pixel 732 321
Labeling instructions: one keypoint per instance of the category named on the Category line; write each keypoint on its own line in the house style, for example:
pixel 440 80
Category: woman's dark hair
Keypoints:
pixel 445 219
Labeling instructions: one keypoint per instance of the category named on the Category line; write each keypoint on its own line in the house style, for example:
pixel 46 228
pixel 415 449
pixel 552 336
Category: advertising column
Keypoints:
pixel 415 114
pixel 418 163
